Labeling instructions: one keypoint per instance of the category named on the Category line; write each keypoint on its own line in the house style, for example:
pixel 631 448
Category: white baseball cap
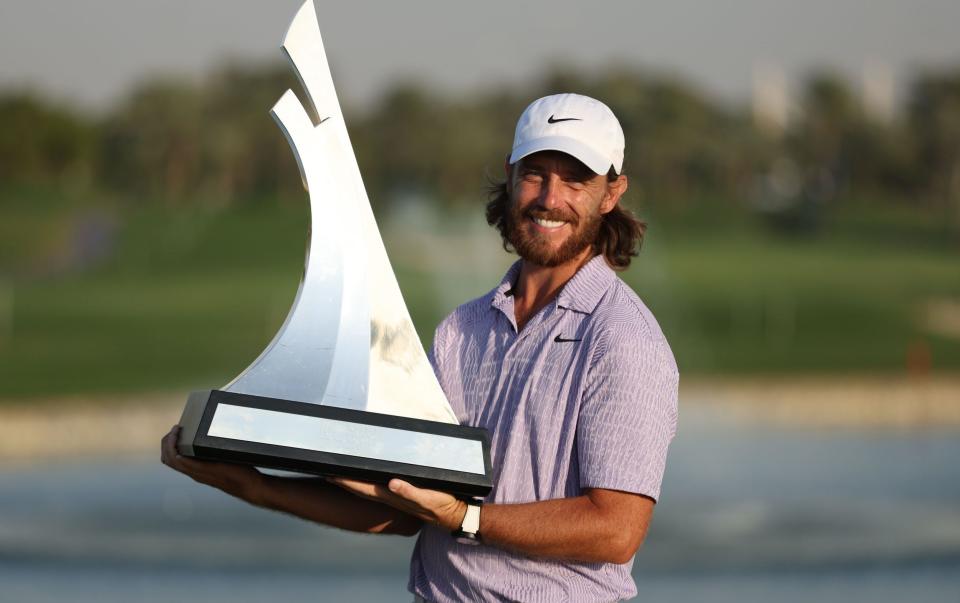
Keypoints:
pixel 573 124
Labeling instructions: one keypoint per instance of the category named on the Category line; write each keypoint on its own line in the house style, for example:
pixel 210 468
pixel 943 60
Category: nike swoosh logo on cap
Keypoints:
pixel 554 120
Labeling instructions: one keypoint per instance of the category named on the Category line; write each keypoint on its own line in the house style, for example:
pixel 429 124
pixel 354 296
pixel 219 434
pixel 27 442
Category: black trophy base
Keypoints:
pixel 331 441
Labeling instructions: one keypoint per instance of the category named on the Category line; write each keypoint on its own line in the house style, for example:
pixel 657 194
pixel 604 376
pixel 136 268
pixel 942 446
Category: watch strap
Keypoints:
pixel 470 526
pixel 471 519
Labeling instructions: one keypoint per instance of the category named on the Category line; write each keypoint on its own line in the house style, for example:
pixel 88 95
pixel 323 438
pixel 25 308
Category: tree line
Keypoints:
pixel 174 141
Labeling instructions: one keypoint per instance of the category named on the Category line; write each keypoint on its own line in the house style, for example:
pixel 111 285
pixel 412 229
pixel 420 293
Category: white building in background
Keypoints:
pixel 770 98
pixel 878 91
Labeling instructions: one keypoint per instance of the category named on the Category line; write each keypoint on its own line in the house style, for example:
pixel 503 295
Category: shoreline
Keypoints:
pixel 131 426
pixel 858 402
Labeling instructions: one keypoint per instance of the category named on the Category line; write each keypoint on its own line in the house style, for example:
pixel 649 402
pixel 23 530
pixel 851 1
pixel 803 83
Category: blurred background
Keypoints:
pixel 798 164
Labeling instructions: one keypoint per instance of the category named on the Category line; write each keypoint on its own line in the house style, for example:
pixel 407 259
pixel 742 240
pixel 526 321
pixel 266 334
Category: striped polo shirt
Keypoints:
pixel 585 396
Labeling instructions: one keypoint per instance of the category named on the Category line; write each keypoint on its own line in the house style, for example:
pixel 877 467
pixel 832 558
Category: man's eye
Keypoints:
pixel 532 176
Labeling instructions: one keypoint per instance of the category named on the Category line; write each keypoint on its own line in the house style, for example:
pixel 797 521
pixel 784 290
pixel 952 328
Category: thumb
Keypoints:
pixel 401 488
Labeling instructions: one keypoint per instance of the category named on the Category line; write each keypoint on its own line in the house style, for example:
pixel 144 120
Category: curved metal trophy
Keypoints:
pixel 345 387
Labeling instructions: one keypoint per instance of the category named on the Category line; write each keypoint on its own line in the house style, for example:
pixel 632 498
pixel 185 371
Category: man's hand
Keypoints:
pixel 238 480
pixel 599 526
pixel 312 499
pixel 437 508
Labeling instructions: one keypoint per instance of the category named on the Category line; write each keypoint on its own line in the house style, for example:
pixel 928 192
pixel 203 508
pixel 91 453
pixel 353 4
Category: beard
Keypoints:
pixel 536 247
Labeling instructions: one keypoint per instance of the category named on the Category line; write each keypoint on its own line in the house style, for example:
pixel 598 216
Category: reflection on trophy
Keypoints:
pixel 345 387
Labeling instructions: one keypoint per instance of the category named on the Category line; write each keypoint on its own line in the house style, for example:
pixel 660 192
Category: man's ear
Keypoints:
pixel 615 191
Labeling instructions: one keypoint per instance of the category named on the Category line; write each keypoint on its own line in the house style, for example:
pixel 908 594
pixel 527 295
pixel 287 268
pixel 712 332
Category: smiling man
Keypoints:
pixel 566 368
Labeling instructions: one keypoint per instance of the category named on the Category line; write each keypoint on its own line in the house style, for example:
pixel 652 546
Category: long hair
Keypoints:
pixel 619 240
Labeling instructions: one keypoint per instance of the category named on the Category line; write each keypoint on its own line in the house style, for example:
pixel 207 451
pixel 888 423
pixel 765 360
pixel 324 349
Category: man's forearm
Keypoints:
pixel 316 500
pixel 592 528
pixel 310 498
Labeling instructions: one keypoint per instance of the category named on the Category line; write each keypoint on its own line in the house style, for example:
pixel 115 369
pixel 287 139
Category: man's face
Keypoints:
pixel 557 205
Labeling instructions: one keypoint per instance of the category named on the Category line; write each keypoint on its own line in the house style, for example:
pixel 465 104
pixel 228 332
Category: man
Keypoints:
pixel 565 367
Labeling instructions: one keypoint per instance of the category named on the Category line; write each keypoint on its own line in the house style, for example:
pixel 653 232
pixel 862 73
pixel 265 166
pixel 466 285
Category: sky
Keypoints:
pixel 91 53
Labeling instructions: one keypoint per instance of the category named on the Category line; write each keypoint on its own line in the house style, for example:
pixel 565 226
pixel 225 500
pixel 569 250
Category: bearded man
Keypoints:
pixel 565 367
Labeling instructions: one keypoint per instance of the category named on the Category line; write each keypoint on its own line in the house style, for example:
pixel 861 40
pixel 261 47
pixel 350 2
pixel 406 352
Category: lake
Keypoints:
pixel 748 513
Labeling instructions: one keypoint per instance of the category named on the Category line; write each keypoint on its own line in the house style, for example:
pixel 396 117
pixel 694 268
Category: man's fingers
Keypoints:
pixel 350 484
pixel 428 499
pixel 171 457
pixel 365 489
pixel 357 485
pixel 396 490
pixel 379 493
pixel 168 445
pixel 430 505
pixel 405 490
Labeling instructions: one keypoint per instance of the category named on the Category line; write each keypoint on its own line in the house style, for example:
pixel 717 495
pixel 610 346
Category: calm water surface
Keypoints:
pixel 747 514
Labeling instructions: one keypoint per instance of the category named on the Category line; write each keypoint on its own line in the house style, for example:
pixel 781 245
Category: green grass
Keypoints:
pixel 758 305
pixel 188 297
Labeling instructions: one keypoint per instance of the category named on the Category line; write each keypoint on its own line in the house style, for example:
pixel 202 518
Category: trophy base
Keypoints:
pixel 331 441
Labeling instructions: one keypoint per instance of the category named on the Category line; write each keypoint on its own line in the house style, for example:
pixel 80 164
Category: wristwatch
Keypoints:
pixel 469 532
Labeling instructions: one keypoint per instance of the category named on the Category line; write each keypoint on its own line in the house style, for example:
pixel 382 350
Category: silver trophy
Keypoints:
pixel 345 387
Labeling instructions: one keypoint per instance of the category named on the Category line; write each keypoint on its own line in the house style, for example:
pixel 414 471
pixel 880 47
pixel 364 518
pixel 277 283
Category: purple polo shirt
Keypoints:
pixel 596 412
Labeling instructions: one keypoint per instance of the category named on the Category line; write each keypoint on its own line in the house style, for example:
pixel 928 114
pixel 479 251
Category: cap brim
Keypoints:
pixel 589 157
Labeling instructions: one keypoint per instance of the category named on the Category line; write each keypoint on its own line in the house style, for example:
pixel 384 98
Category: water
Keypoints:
pixel 747 514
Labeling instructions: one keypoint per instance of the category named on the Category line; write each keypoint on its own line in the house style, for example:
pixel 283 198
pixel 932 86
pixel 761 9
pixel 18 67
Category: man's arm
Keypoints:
pixel 312 499
pixel 627 419
pixel 599 526
pixel 602 525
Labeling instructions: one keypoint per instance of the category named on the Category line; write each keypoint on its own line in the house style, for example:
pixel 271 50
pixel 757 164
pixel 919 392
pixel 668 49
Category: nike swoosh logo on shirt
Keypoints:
pixel 559 339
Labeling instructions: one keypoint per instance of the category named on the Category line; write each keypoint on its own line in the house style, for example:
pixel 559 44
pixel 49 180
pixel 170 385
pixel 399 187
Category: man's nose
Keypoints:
pixel 550 193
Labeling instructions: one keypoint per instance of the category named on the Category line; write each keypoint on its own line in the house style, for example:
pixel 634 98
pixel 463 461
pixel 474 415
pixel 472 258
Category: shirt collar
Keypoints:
pixel 503 295
pixel 581 293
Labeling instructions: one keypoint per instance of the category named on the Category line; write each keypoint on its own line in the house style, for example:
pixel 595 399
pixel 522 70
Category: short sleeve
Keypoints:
pixel 628 415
